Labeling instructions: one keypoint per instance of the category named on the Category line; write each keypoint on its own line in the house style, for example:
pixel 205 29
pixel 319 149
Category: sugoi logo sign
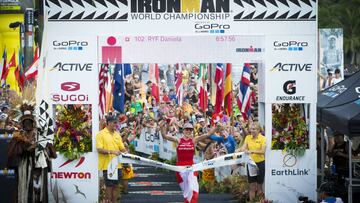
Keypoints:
pixel 73 97
pixel 70 86
pixel 69 45
pixel 289 87
pixel 294 67
pixel 290 45
pixel 73 66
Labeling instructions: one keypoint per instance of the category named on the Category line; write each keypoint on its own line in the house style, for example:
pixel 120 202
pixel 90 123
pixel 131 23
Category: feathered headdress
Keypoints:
pixel 22 106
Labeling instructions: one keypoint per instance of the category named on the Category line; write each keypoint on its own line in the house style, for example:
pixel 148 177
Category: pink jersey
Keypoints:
pixel 185 152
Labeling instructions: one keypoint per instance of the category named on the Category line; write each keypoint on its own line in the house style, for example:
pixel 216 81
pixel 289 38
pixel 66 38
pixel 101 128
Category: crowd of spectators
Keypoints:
pixel 142 111
pixel 7 125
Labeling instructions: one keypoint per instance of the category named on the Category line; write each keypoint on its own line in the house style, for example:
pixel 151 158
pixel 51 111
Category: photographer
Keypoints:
pixel 328 192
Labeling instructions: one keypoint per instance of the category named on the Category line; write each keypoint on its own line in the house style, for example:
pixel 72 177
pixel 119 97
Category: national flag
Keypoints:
pixel 189 186
pixel 201 87
pixel 154 78
pixel 18 77
pixel 19 72
pixel 212 70
pixel 219 75
pixel 228 90
pixel 109 87
pixel 103 79
pixel 5 72
pixel 127 70
pixel 179 84
pixel 3 62
pixel 119 88
pixel 32 70
pixel 243 97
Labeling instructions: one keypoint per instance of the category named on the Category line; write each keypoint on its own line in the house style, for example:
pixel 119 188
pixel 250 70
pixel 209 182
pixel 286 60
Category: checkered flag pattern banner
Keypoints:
pixel 275 10
pixel 243 10
pixel 46 123
pixel 45 134
pixel 87 10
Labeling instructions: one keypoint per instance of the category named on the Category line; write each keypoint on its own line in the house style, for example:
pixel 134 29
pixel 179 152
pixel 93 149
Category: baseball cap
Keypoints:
pixel 188 125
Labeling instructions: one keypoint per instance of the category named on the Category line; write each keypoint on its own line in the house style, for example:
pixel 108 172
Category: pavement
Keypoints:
pixel 151 185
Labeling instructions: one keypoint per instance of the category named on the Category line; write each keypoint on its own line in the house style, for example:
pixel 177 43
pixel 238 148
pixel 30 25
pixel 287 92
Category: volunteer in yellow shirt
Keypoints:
pixel 109 144
pixel 255 145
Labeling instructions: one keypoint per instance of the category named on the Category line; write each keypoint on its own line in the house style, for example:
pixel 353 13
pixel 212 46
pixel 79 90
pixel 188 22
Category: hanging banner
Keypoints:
pixel 290 69
pixel 148 141
pixel 70 65
pixel 176 49
pixel 331 52
pixel 196 17
pixel 290 176
pixel 74 180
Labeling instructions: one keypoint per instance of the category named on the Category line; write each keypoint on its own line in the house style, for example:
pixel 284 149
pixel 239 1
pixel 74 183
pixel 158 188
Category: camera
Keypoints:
pixel 305 199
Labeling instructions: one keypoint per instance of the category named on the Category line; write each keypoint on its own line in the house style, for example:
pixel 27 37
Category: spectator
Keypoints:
pixel 338 77
pixel 328 193
pixel 226 139
pixel 109 144
pixel 255 145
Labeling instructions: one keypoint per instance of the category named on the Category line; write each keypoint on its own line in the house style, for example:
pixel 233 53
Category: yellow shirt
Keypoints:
pixel 108 141
pixel 256 144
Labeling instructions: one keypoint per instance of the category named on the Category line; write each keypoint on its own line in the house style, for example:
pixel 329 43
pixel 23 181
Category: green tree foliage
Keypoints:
pixel 343 14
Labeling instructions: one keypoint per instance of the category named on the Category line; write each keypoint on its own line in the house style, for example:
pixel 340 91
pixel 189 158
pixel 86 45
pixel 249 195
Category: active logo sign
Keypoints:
pixel 73 67
pixel 294 67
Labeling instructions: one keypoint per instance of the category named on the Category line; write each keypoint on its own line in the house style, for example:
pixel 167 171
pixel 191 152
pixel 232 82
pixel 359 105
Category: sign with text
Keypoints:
pixel 290 176
pixel 290 69
pixel 74 180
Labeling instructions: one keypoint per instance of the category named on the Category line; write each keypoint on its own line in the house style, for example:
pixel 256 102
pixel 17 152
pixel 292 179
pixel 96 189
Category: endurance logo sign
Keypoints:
pixel 290 69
